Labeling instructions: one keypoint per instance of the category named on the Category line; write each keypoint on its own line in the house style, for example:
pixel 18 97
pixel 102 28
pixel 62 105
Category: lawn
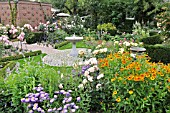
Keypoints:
pixel 80 44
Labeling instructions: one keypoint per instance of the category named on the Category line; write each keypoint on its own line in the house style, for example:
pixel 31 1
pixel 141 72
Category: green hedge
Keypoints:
pixel 7 65
pixel 152 40
pixel 34 37
pixel 16 57
pixel 158 53
pixel 61 44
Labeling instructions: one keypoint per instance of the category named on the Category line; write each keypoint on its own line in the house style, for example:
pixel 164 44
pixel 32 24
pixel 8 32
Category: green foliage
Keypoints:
pixel 34 37
pixel 6 65
pixel 16 57
pixel 158 53
pixel 56 36
pixel 61 44
pixel 151 40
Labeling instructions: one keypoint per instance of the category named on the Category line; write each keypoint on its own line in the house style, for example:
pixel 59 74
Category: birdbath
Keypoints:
pixel 138 50
pixel 74 39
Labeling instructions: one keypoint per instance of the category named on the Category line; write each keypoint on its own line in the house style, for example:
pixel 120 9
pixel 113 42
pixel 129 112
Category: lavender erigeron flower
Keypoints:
pixel 36 101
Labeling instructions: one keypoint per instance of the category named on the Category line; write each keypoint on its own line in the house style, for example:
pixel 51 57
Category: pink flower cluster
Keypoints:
pixel 13 30
pixel 4 38
pixel 28 26
pixel 21 36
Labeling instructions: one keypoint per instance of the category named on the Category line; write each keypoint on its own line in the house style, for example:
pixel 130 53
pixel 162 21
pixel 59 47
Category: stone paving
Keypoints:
pixel 54 57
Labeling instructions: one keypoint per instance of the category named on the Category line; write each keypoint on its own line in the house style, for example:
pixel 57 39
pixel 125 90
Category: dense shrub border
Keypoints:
pixel 6 65
pixel 158 53
pixel 151 40
pixel 61 44
pixel 34 37
pixel 16 57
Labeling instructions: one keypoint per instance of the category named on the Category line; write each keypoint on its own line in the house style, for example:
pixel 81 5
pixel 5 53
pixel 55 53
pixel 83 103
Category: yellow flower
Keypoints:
pixel 130 92
pixel 113 79
pixel 115 92
pixel 152 78
pixel 126 98
pixel 118 99
pixel 120 78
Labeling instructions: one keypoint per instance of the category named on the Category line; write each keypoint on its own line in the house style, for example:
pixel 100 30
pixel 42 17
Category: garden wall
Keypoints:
pixel 27 12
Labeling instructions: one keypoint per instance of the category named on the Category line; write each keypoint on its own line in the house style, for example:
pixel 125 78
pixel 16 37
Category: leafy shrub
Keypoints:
pixel 158 53
pixel 151 40
pixel 61 44
pixel 109 27
pixel 34 37
pixel 57 36
pixel 16 57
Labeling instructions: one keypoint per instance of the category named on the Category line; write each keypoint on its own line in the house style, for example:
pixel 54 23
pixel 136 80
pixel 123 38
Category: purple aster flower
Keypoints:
pixel 31 111
pixel 70 91
pixel 23 100
pixel 73 110
pixel 55 96
pixel 42 111
pixel 32 99
pixel 27 100
pixel 54 109
pixel 29 105
pixel 59 109
pixel 39 109
pixel 52 100
pixel 56 92
pixel 50 110
pixel 67 94
pixel 37 94
pixel 78 99
pixel 69 99
pixel 76 107
pixel 72 104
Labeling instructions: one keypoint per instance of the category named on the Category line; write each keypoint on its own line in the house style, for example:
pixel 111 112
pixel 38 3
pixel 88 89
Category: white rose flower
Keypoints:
pixel 121 50
pixel 84 81
pixel 116 42
pixel 60 86
pixel 80 63
pixel 126 43
pixel 99 46
pixel 87 62
pixel 98 86
pixel 91 69
pixel 100 76
pixel 96 67
pixel 93 61
pixel 86 73
pixel 90 78
pixel 95 52
pixel 81 86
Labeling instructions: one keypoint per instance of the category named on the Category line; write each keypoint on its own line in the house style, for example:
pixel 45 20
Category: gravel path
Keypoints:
pixel 54 57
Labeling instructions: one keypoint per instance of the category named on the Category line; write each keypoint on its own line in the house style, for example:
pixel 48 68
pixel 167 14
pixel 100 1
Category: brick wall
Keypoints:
pixel 28 12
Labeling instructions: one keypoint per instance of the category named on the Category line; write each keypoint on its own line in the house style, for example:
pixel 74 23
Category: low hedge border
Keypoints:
pixel 16 57
pixel 61 44
pixel 9 65
pixel 158 53
pixel 151 40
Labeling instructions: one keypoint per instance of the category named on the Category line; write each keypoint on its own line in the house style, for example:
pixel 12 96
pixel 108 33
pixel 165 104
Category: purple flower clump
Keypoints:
pixel 84 68
pixel 34 101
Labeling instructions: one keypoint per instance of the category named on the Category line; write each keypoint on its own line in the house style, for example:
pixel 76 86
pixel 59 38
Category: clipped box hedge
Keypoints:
pixel 6 65
pixel 16 57
pixel 152 40
pixel 61 44
pixel 158 53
